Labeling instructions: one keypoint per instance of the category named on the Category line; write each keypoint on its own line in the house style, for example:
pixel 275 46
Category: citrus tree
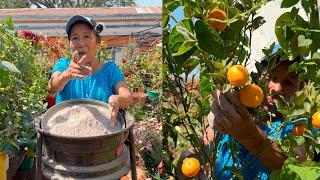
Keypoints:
pixel 299 40
pixel 23 87
pixel 210 47
pixel 213 36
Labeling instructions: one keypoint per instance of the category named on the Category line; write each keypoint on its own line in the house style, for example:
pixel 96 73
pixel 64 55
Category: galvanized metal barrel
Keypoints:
pixel 97 157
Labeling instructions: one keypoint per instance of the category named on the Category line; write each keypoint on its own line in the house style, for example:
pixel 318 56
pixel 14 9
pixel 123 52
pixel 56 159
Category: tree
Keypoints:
pixel 80 3
pixel 10 4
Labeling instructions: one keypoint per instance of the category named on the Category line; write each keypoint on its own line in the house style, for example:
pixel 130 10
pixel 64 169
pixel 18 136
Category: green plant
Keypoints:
pixel 136 66
pixel 155 159
pixel 194 45
pixel 23 87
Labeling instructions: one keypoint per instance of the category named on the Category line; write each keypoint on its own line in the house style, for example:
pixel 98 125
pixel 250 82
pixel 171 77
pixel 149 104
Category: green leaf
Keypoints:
pixel 247 3
pixel 176 40
pixel 288 3
pixel 302 41
pixel 257 22
pixel 297 112
pixel 300 96
pixel 316 55
pixel 165 19
pixel 307 106
pixel 218 65
pixel 308 171
pixel 172 5
pixel 305 5
pixel 185 31
pixel 5 65
pixel 185 47
pixel 209 40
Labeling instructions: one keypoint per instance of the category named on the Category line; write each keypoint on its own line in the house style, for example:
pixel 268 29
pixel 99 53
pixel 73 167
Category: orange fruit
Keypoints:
pixel 208 136
pixel 316 120
pixel 299 129
pixel 251 95
pixel 217 14
pixel 238 75
pixel 190 167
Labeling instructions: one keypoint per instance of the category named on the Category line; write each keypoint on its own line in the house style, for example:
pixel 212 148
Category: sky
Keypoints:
pixel 178 14
pixel 148 3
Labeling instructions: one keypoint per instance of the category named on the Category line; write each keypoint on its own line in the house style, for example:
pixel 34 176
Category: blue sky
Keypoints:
pixel 148 3
pixel 178 14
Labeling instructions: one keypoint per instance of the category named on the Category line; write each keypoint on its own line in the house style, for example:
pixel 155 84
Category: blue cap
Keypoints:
pixel 78 18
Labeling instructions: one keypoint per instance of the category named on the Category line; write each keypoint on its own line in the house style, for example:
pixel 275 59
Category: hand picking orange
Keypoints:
pixel 237 75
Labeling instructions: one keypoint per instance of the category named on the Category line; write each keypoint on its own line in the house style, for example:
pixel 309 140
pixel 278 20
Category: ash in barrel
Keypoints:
pixel 81 121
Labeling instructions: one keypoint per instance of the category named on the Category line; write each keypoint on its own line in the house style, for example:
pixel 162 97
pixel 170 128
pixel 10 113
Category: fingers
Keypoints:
pixel 213 123
pixel 79 71
pixel 220 120
pixel 233 97
pixel 114 113
pixel 82 60
pixel 75 56
pixel 226 107
pixel 113 102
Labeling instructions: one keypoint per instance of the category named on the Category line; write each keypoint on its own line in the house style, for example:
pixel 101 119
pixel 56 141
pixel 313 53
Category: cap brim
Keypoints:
pixel 74 20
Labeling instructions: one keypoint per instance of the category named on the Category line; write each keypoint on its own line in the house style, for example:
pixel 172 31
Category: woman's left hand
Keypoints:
pixel 114 105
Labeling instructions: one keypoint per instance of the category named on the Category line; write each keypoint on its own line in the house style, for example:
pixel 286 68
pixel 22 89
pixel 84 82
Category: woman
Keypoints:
pixel 252 139
pixel 84 76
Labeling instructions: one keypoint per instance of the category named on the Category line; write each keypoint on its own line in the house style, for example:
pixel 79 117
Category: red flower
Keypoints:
pixel 27 34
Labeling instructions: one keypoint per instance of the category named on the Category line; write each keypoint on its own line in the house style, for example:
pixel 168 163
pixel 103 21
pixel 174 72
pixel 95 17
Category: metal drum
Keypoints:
pixel 97 157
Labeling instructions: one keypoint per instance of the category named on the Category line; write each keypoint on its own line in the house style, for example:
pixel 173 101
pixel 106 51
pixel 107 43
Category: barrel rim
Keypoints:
pixel 129 124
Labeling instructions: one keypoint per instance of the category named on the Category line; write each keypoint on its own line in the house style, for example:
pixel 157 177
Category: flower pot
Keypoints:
pixel 27 163
pixel 4 165
pixel 153 96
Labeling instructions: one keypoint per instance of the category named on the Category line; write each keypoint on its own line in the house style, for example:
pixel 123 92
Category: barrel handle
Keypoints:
pixel 132 155
pixel 122 112
pixel 131 147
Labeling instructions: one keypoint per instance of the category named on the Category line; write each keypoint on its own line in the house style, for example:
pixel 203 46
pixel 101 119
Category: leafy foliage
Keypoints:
pixel 195 53
pixel 196 57
pixel 23 87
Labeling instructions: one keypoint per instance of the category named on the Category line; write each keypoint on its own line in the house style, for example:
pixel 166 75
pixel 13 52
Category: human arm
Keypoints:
pixel 230 117
pixel 121 99
pixel 76 69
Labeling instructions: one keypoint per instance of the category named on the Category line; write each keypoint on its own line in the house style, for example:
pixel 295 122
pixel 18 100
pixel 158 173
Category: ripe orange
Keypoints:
pixel 208 136
pixel 217 14
pixel 251 95
pixel 299 129
pixel 237 75
pixel 316 120
pixel 190 167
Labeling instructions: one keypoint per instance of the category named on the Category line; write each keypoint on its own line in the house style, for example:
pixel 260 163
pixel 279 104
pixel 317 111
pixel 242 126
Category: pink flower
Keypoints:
pixel 149 146
pixel 160 167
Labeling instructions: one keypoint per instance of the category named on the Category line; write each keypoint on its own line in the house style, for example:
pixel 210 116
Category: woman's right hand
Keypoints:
pixel 77 67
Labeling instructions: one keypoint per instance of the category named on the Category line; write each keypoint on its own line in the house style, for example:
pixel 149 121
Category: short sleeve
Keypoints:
pixel 61 65
pixel 116 77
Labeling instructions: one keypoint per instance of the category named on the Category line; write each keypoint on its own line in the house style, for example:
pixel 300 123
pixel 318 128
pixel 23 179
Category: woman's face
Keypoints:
pixel 283 82
pixel 83 40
